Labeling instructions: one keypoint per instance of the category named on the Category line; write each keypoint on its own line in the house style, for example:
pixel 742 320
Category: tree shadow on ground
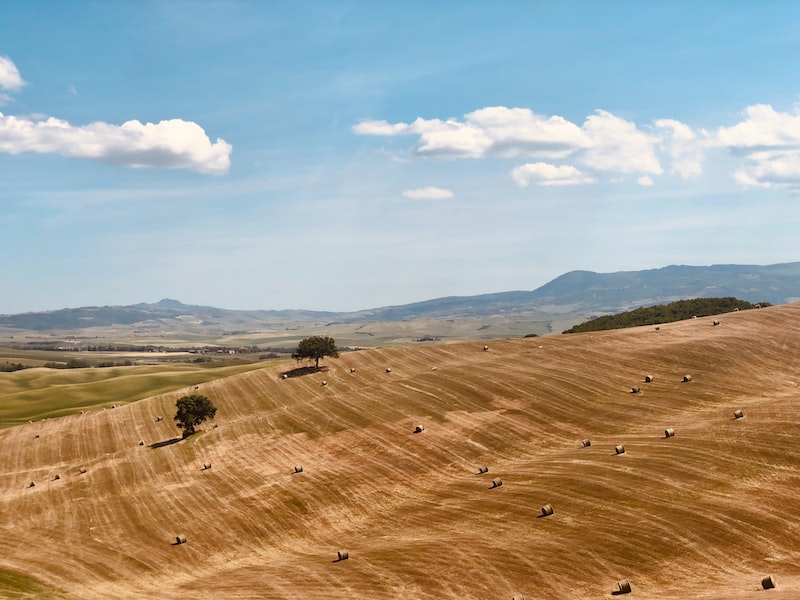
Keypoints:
pixel 163 443
pixel 300 371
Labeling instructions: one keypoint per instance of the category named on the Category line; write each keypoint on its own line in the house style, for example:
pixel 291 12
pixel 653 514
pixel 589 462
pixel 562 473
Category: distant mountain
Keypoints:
pixel 575 294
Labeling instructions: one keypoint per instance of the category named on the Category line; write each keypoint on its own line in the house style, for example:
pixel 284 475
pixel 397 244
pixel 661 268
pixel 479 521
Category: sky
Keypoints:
pixel 344 155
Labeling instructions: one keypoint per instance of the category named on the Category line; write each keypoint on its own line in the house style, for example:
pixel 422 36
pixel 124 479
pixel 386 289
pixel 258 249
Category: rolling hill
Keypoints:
pixel 704 514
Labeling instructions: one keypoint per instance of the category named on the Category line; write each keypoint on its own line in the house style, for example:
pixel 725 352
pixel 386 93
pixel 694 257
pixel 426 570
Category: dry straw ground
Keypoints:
pixel 704 514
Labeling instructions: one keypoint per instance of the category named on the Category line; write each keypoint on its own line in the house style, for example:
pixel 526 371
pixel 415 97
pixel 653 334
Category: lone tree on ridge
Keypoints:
pixel 192 411
pixel 316 347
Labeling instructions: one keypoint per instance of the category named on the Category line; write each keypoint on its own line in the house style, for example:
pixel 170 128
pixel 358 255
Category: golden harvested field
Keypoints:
pixel 704 514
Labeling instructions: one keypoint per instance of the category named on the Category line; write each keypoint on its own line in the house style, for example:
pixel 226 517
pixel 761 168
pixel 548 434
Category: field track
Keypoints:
pixel 704 514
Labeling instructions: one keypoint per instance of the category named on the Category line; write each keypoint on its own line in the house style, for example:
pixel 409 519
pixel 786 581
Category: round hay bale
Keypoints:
pixel 298 469
pixel 141 442
pixel 485 348
pixel 547 510
pixel 434 368
pixel 619 449
pixel 36 437
pixel 83 412
pixel 767 582
pixel 669 432
pixel 496 482
pixel 324 382
pixel 388 370
pixel 635 390
pixel 30 485
pixel 82 470
pixel 343 554
pixel 159 419
pixel 57 477
pixel 648 379
pixel 285 376
pixel 419 428
pixel 658 328
pixel 624 586
pixel 716 323
pixel 483 469
pixel 206 466
pixel 352 369
pixel 180 539
pixel 586 443
pixel 687 378
pixel 738 413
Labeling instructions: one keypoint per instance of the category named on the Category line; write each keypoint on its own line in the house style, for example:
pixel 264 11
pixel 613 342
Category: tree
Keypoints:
pixel 193 410
pixel 316 347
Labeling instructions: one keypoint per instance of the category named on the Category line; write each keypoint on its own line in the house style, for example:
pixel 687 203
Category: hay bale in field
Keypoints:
pixel 36 437
pixel 767 582
pixel 324 382
pixel 206 466
pixel 83 411
pixel 716 323
pixel 434 368
pixel 215 425
pixel 496 482
pixel 485 348
pixel 757 306
pixel 179 539
pixel 687 378
pixel 736 309
pixel 635 390
pixel 82 470
pixel 298 469
pixel 547 510
pixel 57 477
pixel 658 328
pixel 30 485
pixel 585 443
pixel 648 379
pixel 738 413
pixel 483 469
pixel 619 449
pixel 352 369
pixel 669 432
pixel 694 316
pixel 419 428
pixel 285 376
pixel 623 587
pixel 159 419
pixel 388 370
pixel 342 555
pixel 141 442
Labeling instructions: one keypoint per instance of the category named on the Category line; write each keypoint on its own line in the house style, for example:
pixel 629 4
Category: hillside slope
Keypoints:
pixel 704 514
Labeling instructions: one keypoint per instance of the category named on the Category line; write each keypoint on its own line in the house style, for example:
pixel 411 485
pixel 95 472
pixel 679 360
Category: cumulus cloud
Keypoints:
pixel 170 144
pixel 645 181
pixel 683 145
pixel 541 173
pixel 768 143
pixel 10 78
pixel 428 193
pixel 618 145
pixel 492 131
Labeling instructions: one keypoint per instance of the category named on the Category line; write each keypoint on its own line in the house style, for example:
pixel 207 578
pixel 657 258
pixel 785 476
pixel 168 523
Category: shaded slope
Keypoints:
pixel 704 514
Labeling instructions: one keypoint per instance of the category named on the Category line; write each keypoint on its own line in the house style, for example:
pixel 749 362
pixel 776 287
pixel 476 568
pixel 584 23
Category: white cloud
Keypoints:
pixel 10 78
pixel 617 145
pixel 645 181
pixel 428 193
pixel 491 131
pixel 170 144
pixel 541 173
pixel 768 143
pixel 683 146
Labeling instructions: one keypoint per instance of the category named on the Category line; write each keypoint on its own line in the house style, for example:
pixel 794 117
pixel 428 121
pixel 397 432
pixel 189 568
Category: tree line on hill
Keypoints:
pixel 665 313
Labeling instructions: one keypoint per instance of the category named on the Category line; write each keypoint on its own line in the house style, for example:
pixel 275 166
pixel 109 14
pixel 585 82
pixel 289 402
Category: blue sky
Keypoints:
pixel 345 155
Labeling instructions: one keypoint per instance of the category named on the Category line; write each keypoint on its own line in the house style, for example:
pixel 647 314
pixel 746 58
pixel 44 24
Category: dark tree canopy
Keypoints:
pixel 316 347
pixel 192 411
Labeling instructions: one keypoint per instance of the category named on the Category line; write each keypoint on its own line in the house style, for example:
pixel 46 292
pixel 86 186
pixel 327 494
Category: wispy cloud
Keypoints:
pixel 541 173
pixel 168 144
pixel 10 78
pixel 428 193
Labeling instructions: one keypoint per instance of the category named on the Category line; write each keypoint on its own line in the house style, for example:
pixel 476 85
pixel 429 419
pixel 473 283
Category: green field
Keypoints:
pixel 39 393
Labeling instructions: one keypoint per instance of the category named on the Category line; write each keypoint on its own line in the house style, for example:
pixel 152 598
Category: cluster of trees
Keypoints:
pixel 664 313
pixel 9 367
